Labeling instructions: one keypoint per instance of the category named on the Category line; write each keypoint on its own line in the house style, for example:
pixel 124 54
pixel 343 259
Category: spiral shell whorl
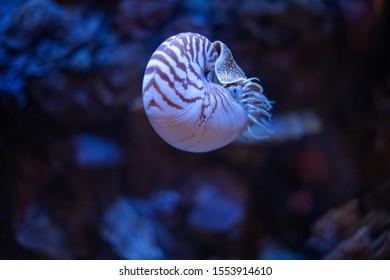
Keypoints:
pixel 186 97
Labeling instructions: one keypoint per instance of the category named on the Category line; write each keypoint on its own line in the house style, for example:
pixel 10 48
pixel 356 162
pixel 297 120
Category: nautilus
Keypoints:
pixel 198 99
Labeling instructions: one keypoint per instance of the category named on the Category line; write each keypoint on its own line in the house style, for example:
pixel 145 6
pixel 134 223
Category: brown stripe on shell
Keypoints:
pixel 165 77
pixel 153 103
pixel 165 98
pixel 184 82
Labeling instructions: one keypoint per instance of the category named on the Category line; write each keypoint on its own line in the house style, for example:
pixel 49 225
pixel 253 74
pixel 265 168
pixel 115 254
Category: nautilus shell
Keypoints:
pixel 197 98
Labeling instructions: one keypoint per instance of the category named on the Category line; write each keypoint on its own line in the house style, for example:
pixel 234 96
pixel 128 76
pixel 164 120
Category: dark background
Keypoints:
pixel 84 176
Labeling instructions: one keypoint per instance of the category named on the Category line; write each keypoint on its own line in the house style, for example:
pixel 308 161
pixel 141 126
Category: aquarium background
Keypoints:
pixel 84 176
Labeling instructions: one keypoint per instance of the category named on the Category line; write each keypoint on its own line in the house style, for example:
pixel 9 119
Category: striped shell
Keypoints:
pixel 197 98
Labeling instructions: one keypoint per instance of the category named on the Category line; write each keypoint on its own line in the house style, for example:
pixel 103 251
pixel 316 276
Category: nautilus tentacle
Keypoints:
pixel 197 98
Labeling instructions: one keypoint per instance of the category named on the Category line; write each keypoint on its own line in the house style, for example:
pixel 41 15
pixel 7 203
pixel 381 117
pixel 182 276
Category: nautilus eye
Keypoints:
pixel 197 98
pixel 235 92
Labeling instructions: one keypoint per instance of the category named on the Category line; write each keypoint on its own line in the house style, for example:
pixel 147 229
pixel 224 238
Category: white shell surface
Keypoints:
pixel 185 109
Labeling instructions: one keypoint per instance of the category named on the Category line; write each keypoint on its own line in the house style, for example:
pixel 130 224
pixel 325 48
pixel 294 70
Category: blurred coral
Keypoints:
pixel 279 22
pixel 84 176
pixel 138 19
pixel 130 232
pixel 214 200
pixel 345 233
